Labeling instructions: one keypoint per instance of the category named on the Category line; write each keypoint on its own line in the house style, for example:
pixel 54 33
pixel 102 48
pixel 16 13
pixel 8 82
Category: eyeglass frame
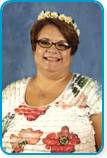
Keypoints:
pixel 55 44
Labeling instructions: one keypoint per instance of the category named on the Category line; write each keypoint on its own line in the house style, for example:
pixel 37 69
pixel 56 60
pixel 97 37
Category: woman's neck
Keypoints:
pixel 42 90
pixel 44 80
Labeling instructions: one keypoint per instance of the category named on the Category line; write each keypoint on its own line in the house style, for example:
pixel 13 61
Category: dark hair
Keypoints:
pixel 67 30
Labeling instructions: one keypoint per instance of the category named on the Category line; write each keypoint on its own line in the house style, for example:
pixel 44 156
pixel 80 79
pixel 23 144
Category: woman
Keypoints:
pixel 56 110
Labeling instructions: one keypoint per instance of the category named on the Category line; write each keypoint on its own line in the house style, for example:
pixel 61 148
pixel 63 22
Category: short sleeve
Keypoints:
pixel 94 97
pixel 8 96
pixel 13 94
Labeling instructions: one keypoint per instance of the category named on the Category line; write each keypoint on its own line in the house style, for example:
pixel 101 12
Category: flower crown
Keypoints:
pixel 67 19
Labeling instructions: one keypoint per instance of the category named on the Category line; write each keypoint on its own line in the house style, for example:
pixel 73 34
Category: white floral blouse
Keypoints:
pixel 63 126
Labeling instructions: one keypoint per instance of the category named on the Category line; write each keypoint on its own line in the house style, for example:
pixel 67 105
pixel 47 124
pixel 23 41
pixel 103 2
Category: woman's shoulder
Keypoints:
pixel 15 90
pixel 14 93
pixel 85 80
pixel 91 89
pixel 79 76
pixel 16 84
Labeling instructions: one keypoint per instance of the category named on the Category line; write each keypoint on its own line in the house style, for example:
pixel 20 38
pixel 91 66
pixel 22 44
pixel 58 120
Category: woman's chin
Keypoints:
pixel 51 69
pixel 52 66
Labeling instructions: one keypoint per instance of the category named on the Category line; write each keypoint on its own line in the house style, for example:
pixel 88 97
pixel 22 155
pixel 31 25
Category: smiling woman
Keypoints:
pixel 56 110
pixel 52 58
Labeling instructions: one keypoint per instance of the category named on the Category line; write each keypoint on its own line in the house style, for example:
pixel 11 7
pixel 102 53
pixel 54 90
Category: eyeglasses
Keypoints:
pixel 46 43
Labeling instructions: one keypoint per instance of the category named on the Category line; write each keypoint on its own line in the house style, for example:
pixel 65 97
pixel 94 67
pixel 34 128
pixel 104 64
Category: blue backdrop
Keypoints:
pixel 17 19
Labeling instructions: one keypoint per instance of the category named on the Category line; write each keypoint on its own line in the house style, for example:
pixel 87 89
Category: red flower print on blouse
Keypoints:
pixel 25 136
pixel 63 141
pixel 31 114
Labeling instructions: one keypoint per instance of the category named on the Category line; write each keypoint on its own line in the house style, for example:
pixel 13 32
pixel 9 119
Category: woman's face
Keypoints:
pixel 51 59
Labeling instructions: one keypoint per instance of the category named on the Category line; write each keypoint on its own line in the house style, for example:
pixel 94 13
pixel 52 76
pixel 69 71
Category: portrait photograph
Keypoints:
pixel 52 78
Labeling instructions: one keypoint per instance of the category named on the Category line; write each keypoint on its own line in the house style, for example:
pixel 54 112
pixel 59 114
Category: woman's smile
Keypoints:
pixel 52 63
pixel 52 59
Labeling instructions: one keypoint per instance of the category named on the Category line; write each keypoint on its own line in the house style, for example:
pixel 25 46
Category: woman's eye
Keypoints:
pixel 45 42
pixel 62 45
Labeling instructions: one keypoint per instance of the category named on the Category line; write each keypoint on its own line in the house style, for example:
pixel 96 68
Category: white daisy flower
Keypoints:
pixel 75 25
pixel 62 17
pixel 68 19
pixel 54 15
pixel 78 32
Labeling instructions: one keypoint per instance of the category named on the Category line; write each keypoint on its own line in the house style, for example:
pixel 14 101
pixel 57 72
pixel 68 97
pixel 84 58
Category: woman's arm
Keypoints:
pixel 97 124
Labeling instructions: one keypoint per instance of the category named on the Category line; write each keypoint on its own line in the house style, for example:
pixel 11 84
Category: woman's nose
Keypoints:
pixel 52 49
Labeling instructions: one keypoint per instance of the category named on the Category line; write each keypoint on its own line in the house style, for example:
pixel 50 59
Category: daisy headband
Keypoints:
pixel 67 19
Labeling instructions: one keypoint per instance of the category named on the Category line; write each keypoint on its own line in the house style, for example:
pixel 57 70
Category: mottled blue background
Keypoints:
pixel 17 21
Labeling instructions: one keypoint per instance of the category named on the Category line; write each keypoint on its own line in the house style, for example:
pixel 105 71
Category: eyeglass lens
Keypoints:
pixel 60 45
